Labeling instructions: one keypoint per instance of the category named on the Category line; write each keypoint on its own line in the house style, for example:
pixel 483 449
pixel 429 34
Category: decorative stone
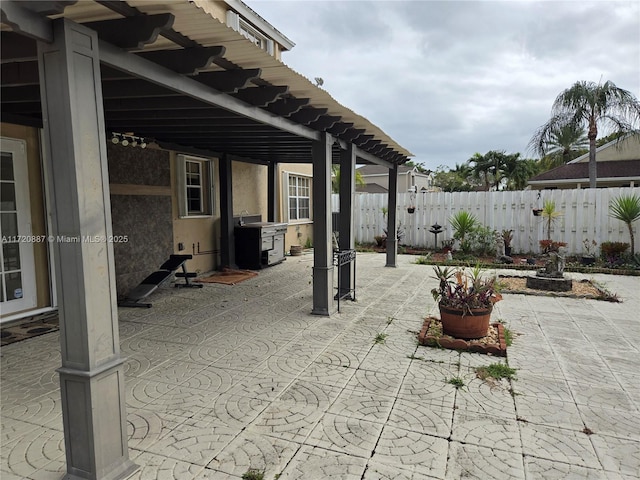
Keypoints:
pixel 552 284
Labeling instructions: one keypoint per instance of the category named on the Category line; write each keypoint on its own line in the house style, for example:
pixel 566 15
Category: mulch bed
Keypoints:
pixel 493 344
pixel 580 289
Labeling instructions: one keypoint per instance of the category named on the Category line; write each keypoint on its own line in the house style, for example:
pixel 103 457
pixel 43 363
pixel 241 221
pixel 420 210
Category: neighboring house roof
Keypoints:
pixel 625 148
pixel 371 188
pixel 579 172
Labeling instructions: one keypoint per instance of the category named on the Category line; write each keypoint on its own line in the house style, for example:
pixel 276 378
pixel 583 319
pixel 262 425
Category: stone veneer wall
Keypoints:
pixel 140 187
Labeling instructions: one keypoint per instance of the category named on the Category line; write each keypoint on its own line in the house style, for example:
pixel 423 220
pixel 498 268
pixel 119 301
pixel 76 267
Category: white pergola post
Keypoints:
pixel 92 384
pixel 392 226
pixel 322 238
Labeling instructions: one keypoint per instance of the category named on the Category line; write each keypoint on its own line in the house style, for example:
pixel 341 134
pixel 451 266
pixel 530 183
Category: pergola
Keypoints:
pixel 171 72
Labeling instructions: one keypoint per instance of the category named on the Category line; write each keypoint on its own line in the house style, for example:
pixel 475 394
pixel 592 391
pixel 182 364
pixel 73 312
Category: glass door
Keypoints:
pixel 17 269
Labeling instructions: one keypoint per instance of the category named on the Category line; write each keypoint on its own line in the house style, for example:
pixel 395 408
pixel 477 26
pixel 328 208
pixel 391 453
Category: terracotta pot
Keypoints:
pixel 469 325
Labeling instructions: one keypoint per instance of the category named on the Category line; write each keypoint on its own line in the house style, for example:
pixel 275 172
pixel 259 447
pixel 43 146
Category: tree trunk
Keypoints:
pixel 593 169
pixel 633 247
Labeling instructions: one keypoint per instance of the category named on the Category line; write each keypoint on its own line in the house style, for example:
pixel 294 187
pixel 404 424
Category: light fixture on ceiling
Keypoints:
pixel 128 139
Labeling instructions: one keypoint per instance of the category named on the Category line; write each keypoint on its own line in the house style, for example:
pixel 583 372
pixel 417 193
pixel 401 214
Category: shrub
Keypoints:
pixel 482 240
pixel 613 249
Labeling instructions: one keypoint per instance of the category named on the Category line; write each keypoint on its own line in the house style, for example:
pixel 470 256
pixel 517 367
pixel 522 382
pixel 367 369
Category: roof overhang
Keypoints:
pixel 173 73
pixel 565 181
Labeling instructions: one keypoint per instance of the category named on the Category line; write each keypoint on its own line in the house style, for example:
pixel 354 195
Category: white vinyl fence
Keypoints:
pixel 585 216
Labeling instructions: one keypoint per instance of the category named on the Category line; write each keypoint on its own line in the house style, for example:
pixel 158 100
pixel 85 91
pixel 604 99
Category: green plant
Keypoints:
pixel 380 338
pixel 424 259
pixel 390 320
pixel 456 382
pixel 463 224
pixel 465 289
pixel 496 371
pixel 253 474
pixel 308 243
pixel 482 240
pixel 508 336
pixel 626 208
pixel 550 214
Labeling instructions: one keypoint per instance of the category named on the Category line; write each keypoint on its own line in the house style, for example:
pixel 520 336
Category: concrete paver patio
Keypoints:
pixel 224 379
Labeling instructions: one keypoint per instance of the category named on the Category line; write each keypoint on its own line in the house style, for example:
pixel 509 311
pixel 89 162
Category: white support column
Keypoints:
pixel 322 238
pixel 92 383
pixel 392 227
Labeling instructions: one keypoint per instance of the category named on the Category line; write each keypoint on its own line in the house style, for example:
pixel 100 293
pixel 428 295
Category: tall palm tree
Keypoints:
pixel 565 143
pixel 591 105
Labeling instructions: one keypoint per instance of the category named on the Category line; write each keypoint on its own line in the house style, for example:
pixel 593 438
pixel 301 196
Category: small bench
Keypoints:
pixel 157 278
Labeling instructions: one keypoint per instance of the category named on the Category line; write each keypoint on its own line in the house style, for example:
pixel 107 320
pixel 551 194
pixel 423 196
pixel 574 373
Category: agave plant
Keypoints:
pixel 626 208
pixel 463 223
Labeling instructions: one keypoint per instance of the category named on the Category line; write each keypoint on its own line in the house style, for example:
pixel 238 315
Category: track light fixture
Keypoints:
pixel 128 139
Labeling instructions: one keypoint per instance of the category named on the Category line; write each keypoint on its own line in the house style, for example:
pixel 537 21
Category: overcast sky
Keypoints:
pixel 446 79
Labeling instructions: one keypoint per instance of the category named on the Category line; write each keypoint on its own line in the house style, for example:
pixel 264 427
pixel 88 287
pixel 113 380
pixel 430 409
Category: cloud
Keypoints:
pixel 446 79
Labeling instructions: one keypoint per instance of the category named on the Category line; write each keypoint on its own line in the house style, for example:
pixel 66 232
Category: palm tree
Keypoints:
pixel 517 171
pixel 565 143
pixel 487 168
pixel 590 105
pixel 626 208
pixel 550 214
pixel 335 179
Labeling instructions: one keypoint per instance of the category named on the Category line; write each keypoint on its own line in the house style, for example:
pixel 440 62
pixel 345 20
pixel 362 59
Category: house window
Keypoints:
pixel 195 182
pixel 299 197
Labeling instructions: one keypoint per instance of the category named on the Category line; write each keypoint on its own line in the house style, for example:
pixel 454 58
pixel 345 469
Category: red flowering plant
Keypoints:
pixel 465 289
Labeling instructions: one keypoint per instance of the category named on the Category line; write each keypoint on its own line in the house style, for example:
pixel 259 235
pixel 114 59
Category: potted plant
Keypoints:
pixel 589 257
pixel 536 212
pixel 507 236
pixel 411 209
pixel 466 300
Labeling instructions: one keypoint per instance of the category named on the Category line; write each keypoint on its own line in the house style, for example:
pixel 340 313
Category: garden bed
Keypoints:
pixel 580 289
pixel 493 344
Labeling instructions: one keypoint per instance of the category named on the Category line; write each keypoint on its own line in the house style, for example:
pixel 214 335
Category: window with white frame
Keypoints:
pixel 299 197
pixel 195 186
